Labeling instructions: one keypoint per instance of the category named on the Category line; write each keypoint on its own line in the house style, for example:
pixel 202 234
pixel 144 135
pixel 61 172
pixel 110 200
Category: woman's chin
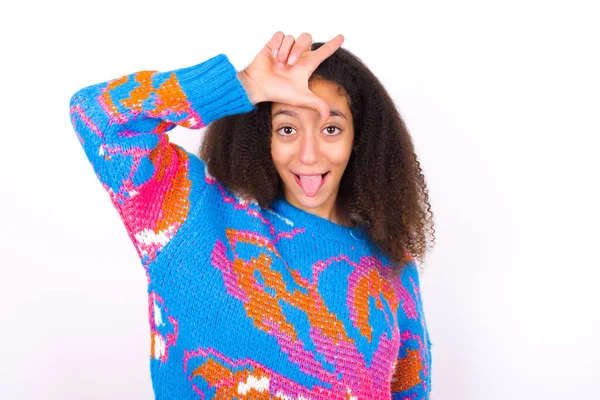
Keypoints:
pixel 296 196
pixel 316 201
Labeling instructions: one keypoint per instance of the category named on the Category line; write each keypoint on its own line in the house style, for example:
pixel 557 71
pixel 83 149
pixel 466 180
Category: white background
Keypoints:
pixel 502 100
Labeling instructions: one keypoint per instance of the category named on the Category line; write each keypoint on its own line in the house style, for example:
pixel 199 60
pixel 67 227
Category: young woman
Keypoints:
pixel 279 262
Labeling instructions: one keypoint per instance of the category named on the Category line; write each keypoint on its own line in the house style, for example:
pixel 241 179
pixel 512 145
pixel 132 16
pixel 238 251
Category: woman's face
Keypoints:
pixel 311 154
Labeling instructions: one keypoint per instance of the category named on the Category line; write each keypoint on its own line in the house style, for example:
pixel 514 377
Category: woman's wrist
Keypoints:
pixel 249 87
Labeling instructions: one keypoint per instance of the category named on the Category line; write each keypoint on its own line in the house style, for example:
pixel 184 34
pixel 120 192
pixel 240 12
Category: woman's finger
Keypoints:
pixel 327 49
pixel 308 99
pixel 275 43
pixel 302 44
pixel 319 105
pixel 284 49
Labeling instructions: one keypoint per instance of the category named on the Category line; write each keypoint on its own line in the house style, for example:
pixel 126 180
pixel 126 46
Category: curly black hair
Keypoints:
pixel 383 188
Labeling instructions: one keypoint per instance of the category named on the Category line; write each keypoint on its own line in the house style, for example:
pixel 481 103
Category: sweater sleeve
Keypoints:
pixel 122 125
pixel 412 376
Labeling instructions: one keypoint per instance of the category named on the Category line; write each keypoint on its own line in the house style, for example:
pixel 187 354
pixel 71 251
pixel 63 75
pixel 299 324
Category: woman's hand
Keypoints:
pixel 280 71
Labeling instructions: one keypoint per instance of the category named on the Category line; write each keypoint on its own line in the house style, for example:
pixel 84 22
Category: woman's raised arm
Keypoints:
pixel 122 127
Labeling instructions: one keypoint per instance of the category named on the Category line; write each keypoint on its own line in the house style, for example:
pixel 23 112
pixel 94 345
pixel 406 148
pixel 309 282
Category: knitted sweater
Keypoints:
pixel 244 302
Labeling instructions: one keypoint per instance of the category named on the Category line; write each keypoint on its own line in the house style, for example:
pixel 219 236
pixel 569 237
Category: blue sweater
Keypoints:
pixel 244 302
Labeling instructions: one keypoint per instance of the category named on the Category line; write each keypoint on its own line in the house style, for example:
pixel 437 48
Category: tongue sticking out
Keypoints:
pixel 310 184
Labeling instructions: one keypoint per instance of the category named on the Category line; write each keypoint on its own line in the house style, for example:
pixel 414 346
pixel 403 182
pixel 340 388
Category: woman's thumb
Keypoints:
pixel 317 104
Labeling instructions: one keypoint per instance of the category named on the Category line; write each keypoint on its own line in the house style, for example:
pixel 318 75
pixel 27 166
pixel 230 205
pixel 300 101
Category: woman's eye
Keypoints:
pixel 330 130
pixel 285 130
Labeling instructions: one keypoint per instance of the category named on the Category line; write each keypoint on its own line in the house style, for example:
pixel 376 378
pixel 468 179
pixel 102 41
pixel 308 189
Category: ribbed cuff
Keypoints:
pixel 213 89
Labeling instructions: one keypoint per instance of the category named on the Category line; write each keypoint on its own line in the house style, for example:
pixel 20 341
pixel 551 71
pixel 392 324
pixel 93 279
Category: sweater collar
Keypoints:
pixel 316 224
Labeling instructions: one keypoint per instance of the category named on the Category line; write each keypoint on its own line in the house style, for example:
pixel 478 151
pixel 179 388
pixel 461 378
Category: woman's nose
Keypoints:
pixel 309 149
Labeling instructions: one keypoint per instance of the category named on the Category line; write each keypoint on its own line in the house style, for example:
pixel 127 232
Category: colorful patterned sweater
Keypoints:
pixel 244 302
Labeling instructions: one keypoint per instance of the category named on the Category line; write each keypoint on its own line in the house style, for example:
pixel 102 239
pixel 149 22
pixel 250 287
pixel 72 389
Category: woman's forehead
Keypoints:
pixel 331 92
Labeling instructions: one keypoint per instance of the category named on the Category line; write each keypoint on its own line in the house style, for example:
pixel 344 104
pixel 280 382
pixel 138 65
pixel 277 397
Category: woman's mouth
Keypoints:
pixel 310 184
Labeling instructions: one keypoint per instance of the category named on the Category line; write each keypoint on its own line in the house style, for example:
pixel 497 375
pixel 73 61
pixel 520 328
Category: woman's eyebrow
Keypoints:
pixel 332 113
pixel 285 112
